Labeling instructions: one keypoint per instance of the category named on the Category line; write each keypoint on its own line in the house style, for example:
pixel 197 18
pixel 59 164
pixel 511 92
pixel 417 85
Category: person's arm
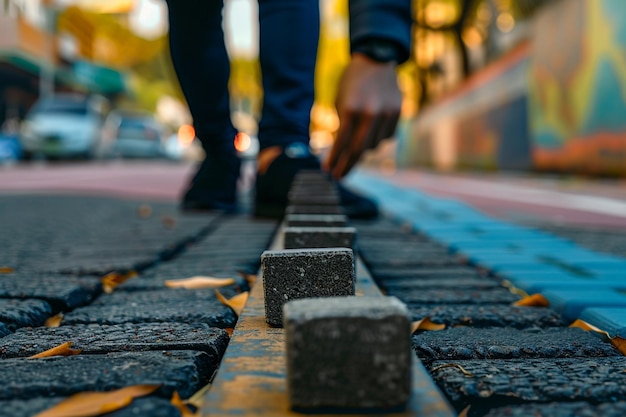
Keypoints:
pixel 368 99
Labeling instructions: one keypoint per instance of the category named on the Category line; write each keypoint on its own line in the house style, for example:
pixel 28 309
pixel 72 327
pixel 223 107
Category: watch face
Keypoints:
pixel 381 51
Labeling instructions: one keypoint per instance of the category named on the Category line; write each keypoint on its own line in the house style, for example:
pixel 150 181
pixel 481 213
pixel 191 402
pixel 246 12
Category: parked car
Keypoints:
pixel 64 125
pixel 132 135
pixel 183 145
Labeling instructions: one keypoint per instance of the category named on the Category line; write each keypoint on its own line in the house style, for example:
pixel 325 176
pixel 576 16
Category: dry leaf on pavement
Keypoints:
pixel 237 303
pixel 168 221
pixel 618 342
pixel 144 211
pixel 54 321
pixel 198 282
pixel 535 300
pixel 426 324
pixel 64 349
pixel 112 280
pixel 87 404
pixel 465 411
pixel 177 402
pixel 250 278
pixel 197 399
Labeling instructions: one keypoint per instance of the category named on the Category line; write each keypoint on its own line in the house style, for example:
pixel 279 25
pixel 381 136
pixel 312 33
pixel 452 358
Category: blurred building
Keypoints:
pixel 57 45
pixel 517 84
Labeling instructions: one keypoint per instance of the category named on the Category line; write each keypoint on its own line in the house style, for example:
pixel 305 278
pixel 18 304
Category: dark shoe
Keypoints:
pixel 355 205
pixel 272 186
pixel 214 186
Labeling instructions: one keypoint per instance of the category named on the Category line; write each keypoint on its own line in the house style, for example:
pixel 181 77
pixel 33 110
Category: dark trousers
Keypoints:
pixel 289 33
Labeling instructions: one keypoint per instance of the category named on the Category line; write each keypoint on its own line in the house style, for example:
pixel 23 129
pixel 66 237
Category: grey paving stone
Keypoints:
pixel 458 296
pixel 146 406
pixel 185 371
pixel 499 382
pixel 507 343
pixel 192 312
pixel 385 273
pixel 21 313
pixel 4 330
pixel 319 237
pixel 294 274
pixel 350 352
pixel 317 209
pixel 489 316
pixel 162 295
pixel 62 293
pixel 403 248
pixel 560 409
pixel 101 339
pixel 75 228
pixel 157 283
pixel 430 283
pixel 326 199
pixel 316 220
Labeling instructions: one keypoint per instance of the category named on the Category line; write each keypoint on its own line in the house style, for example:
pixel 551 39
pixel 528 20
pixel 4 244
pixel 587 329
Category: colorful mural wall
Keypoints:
pixel 577 87
pixel 557 103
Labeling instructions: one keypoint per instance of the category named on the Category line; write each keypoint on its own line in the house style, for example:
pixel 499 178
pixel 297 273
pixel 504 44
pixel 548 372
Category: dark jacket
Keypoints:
pixel 382 19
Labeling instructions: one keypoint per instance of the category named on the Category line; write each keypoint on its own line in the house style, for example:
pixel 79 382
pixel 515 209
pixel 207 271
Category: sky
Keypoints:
pixel 149 19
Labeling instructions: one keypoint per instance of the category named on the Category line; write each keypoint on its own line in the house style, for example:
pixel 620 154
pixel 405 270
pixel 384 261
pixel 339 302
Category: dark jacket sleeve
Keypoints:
pixel 382 19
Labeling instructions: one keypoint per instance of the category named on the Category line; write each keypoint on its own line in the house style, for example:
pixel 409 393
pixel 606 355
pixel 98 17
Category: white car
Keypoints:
pixel 63 126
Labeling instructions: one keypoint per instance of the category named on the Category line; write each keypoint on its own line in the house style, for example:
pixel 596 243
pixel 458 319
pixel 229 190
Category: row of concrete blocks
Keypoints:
pixel 343 351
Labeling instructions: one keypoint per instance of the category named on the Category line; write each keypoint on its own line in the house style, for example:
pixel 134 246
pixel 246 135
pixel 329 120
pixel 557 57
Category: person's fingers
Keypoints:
pixel 387 128
pixel 342 140
pixel 368 124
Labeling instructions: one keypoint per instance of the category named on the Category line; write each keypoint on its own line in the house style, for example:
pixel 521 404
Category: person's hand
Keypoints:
pixel 368 104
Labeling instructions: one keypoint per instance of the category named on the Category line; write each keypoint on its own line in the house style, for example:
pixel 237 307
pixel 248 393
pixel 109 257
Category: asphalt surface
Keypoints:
pixel 499 359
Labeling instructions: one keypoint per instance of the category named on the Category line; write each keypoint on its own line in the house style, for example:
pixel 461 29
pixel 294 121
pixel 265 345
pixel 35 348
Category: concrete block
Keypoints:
pixel 313 209
pixel 293 274
pixel 348 352
pixel 311 175
pixel 319 237
pixel 319 199
pixel 316 220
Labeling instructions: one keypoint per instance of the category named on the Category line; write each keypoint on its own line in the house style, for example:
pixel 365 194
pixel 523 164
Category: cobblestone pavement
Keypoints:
pixel 497 359
pixel 55 251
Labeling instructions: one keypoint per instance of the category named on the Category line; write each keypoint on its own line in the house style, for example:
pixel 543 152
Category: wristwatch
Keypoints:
pixel 379 50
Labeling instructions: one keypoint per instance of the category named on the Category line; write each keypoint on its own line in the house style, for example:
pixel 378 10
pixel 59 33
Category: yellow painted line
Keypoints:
pixel 251 380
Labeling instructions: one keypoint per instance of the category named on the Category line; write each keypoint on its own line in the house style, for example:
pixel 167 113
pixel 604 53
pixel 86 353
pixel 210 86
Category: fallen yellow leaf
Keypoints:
pixel 251 278
pixel 177 402
pixel 64 349
pixel 144 211
pixel 618 342
pixel 237 303
pixel 197 399
pixel 452 365
pixel 54 321
pixel 87 404
pixel 426 324
pixel 199 282
pixel 6 270
pixel 168 221
pixel 535 300
pixel 581 324
pixel 514 290
pixel 111 280
pixel 465 411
